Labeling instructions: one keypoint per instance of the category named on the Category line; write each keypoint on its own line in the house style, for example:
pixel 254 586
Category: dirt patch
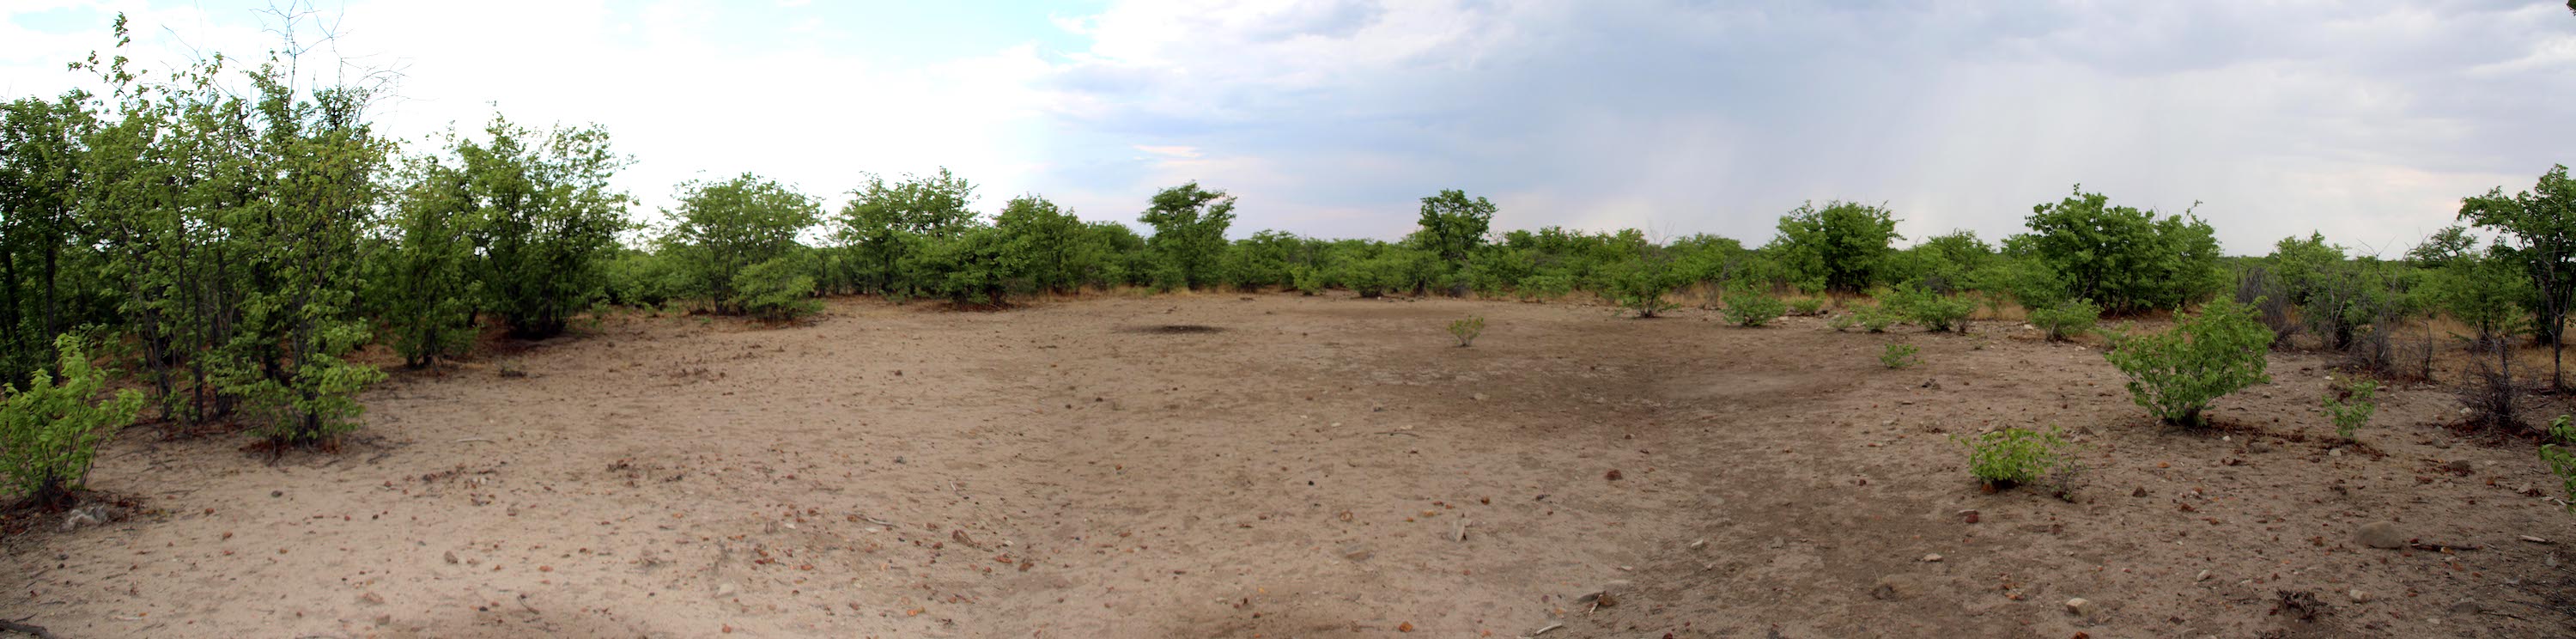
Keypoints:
pixel 1329 467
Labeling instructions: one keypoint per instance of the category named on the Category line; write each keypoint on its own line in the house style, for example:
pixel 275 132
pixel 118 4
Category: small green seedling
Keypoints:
pixel 2562 462
pixel 1466 330
pixel 2349 404
pixel 1900 355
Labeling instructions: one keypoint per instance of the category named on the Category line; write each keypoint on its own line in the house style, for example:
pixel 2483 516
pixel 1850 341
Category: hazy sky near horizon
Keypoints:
pixel 2366 119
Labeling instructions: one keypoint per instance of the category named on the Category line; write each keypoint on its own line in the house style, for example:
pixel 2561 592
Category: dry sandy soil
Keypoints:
pixel 1279 466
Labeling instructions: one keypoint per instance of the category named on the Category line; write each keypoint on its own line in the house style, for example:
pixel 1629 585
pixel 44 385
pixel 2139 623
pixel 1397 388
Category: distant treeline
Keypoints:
pixel 232 247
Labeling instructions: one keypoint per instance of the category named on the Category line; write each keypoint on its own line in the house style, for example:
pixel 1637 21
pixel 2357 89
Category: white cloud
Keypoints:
pixel 1331 117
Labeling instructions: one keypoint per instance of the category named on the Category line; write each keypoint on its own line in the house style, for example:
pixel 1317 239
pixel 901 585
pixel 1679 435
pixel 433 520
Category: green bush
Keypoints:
pixel 1934 311
pixel 1876 318
pixel 2067 319
pixel 2348 403
pixel 1747 306
pixel 1900 355
pixel 2176 374
pixel 2562 462
pixel 1640 285
pixel 1466 330
pixel 1545 287
pixel 2017 456
pixel 776 290
pixel 1306 279
pixel 1840 322
pixel 2120 257
pixel 1807 306
pixel 49 433
pixel 1373 277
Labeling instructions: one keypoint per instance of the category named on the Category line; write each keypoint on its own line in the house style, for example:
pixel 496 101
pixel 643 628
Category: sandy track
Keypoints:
pixel 1300 467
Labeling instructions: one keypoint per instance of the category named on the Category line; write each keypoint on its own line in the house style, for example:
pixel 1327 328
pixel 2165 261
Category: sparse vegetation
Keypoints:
pixel 1807 306
pixel 2562 462
pixel 1467 329
pixel 2349 404
pixel 2177 374
pixel 1900 355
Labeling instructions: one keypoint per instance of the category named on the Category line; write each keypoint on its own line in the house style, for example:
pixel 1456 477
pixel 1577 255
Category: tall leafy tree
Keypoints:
pixel 1453 226
pixel 723 227
pixel 1843 246
pixel 1189 233
pixel 2537 230
pixel 47 271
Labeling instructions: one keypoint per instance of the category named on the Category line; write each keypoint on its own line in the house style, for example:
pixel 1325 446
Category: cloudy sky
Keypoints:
pixel 2366 119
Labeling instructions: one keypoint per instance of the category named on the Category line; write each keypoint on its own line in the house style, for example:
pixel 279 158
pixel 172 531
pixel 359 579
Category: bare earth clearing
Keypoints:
pixel 1299 467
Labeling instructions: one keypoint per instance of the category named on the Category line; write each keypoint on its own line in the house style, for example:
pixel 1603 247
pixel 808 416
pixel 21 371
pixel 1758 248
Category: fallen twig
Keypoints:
pixel 14 626
pixel 472 439
pixel 2441 547
pixel 1549 627
pixel 1399 432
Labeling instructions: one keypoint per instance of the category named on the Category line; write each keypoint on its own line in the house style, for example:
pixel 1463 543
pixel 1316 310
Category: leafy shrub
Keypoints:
pixel 1306 279
pixel 1750 307
pixel 1936 312
pixel 1807 306
pixel 777 289
pixel 1466 330
pixel 1843 321
pixel 723 228
pixel 2016 456
pixel 2067 319
pixel 2176 374
pixel 1373 277
pixel 2349 404
pixel 2123 258
pixel 1843 246
pixel 1546 287
pixel 2562 462
pixel 640 278
pixel 1640 285
pixel 1875 318
pixel 49 433
pixel 1900 355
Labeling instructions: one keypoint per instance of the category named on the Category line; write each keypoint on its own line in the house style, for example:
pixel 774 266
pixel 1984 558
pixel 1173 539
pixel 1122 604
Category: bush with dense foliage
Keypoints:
pixel 2066 320
pixel 1751 307
pixel 2016 456
pixel 1932 310
pixel 724 227
pixel 1640 285
pixel 1843 246
pixel 50 430
pixel 2122 258
pixel 2178 373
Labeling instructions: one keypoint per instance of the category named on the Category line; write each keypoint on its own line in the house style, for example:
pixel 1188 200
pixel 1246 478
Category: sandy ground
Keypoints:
pixel 1279 466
